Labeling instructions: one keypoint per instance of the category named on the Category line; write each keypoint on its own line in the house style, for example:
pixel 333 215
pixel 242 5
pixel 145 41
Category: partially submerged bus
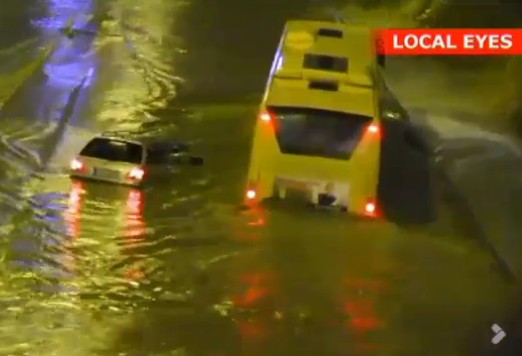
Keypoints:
pixel 318 132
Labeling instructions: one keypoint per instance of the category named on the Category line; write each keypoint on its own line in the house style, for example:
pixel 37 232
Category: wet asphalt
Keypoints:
pixel 176 269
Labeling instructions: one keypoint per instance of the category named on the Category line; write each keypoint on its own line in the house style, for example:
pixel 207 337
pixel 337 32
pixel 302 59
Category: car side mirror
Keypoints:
pixel 184 158
pixel 196 161
pixel 177 155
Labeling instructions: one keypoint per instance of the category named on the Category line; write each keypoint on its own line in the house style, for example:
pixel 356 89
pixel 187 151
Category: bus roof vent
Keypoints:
pixel 330 32
pixel 325 63
pixel 323 85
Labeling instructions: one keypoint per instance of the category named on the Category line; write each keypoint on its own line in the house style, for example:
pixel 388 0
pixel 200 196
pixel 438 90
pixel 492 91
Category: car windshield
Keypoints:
pixel 114 150
pixel 320 133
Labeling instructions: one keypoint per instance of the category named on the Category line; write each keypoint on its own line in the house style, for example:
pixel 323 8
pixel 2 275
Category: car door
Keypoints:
pixel 178 156
pixel 157 163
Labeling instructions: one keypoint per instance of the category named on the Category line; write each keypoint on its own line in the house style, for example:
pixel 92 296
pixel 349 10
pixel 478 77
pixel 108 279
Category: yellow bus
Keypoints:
pixel 318 132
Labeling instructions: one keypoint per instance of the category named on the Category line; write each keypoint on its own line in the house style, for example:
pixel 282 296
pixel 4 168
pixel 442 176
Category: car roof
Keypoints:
pixel 151 142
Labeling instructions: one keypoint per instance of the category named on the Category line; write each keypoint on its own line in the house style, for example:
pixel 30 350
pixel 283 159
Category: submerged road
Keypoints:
pixel 93 269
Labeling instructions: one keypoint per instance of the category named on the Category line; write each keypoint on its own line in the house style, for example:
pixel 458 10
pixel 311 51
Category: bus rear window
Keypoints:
pixel 319 133
pixel 327 63
pixel 114 150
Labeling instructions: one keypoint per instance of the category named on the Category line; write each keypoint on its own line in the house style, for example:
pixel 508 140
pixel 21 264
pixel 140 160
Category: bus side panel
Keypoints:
pixel 263 158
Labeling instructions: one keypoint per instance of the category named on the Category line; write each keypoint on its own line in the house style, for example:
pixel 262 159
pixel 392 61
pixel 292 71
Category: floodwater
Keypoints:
pixel 93 269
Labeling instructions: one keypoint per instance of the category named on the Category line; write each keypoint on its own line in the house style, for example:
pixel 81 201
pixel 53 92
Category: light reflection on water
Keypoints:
pixel 262 311
pixel 119 228
pixel 44 240
pixel 59 13
pixel 132 210
pixel 60 257
pixel 40 257
pixel 72 216
pixel 91 257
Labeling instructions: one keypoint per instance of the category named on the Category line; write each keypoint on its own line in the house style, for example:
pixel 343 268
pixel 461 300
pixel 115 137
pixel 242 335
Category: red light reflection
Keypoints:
pixel 250 224
pixel 368 285
pixel 74 206
pixel 72 218
pixel 257 288
pixel 252 329
pixel 360 308
pixel 253 334
pixel 257 217
pixel 262 299
pixel 134 223
pixel 135 229
pixel 258 291
pixel 362 317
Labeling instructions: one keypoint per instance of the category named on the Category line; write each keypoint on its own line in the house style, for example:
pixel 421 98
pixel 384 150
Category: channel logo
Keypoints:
pixel 499 334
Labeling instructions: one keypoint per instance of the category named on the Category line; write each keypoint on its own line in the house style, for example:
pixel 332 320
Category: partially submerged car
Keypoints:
pixel 130 161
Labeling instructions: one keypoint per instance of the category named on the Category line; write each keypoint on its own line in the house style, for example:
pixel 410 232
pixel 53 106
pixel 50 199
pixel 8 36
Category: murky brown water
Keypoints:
pixel 92 269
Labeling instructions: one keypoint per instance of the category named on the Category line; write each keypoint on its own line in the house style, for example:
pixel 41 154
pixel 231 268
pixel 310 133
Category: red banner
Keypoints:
pixel 472 41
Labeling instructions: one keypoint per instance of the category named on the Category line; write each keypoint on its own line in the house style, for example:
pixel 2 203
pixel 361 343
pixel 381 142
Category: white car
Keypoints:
pixel 130 161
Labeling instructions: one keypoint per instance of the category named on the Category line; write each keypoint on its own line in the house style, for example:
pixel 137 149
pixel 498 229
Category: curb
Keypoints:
pixel 443 167
pixel 67 113
pixel 38 64
pixel 465 207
